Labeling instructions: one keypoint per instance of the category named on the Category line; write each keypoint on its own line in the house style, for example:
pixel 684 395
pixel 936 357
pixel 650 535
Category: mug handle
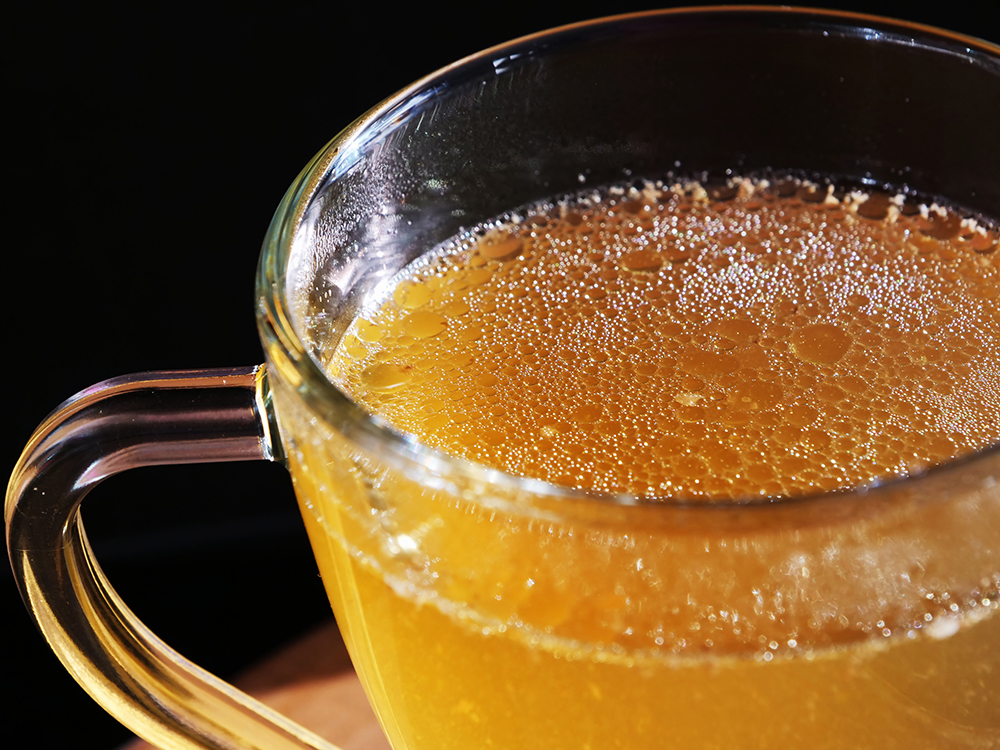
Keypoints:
pixel 147 419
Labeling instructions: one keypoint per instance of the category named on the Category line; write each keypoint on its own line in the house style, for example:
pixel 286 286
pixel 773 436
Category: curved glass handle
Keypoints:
pixel 138 420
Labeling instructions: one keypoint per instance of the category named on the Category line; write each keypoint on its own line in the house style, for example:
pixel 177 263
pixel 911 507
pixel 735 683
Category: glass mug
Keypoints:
pixel 486 609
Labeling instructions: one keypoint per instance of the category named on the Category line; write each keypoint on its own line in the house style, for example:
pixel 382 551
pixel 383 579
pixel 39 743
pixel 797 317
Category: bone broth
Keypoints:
pixel 752 342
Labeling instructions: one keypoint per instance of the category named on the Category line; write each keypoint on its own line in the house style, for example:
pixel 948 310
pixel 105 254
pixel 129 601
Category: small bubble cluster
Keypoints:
pixel 754 339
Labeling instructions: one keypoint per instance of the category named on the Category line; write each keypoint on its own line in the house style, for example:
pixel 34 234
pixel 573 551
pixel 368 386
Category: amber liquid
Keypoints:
pixel 754 341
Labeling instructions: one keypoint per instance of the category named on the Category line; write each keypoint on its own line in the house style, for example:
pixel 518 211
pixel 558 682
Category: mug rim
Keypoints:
pixel 287 353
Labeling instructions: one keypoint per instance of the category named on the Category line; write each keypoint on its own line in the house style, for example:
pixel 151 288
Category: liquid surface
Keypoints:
pixel 749 340
pixel 756 339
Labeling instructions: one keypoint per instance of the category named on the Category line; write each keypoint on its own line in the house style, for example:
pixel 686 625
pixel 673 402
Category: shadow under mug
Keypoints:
pixel 484 609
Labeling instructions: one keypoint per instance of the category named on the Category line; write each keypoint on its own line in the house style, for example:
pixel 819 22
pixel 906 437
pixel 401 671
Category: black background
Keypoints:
pixel 145 154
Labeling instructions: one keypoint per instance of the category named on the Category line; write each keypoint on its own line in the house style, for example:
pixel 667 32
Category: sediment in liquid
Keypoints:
pixel 761 340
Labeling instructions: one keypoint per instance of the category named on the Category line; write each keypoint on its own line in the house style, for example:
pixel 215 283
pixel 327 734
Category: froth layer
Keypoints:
pixel 754 339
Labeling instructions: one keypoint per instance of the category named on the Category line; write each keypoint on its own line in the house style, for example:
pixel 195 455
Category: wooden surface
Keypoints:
pixel 312 682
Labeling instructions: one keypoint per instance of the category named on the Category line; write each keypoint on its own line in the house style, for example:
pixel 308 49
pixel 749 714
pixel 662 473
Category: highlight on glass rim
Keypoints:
pixel 618 412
